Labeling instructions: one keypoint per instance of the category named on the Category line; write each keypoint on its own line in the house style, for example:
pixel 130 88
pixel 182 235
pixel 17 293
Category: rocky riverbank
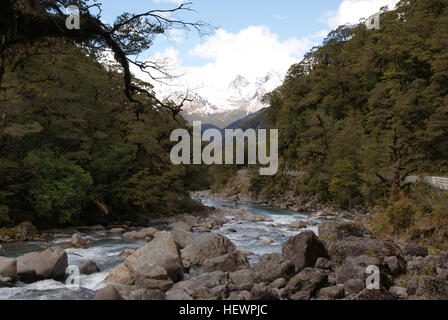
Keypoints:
pixel 188 258
pixel 286 201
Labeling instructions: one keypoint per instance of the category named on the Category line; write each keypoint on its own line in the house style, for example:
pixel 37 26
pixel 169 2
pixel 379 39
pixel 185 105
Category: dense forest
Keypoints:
pixel 365 110
pixel 82 142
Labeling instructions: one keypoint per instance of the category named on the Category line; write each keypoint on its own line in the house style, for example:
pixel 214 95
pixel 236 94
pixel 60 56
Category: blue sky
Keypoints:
pixel 252 37
pixel 286 18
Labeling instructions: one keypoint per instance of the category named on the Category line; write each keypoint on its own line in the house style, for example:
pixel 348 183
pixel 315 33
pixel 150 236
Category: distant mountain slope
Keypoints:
pixel 253 121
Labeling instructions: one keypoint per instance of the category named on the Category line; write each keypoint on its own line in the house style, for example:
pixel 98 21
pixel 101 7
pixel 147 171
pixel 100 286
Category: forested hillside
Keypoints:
pixel 365 110
pixel 73 151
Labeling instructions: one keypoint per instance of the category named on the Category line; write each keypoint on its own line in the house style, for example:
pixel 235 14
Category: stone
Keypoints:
pixel 126 253
pixel 411 287
pixel 442 273
pixel 2 252
pixel 332 231
pixel 331 293
pixel 89 267
pixel 262 292
pixel 204 247
pixel 146 294
pixel 228 263
pixel 206 286
pixel 414 266
pixel 153 277
pixel 414 250
pixel 161 248
pixel 189 219
pixel 323 263
pixel 108 293
pixel 355 268
pixel 177 294
pixel 141 234
pixel 120 275
pixel 432 288
pixel 375 295
pixel 352 246
pixel 298 224
pixel 400 292
pixel 310 280
pixel 182 238
pixel 433 260
pixel 77 240
pixel 180 226
pixel 272 266
pixel 303 250
pixel 49 264
pixel 117 230
pixel 6 282
pixel 354 286
pixel 278 283
pixel 242 276
pixel 395 265
pixel 8 268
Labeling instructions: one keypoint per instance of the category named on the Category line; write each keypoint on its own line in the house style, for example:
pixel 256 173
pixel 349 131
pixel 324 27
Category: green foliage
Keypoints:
pixel 400 214
pixel 59 187
pixel 74 150
pixel 367 108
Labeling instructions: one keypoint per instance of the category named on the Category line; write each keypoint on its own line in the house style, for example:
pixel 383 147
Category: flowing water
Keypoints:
pixel 257 237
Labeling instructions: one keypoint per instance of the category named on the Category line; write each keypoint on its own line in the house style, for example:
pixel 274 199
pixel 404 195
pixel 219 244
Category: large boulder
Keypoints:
pixel 309 280
pixel 141 234
pixel 206 286
pixel 303 250
pixel 146 295
pixel 120 275
pixel 183 238
pixel 414 250
pixel 332 230
pixel 180 226
pixel 159 249
pixel 356 267
pixel 8 268
pixel 432 288
pixel 355 246
pixel 49 264
pixel 262 292
pixel 227 263
pixel 89 267
pixel 375 295
pixel 153 277
pixel 204 247
pixel 272 266
pixel 331 293
pixel 108 293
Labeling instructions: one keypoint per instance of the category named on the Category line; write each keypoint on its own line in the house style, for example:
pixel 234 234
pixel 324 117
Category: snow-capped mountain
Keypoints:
pixel 221 107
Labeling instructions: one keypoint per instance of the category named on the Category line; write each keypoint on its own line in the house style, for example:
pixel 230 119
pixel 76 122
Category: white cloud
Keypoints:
pixel 279 17
pixel 351 11
pixel 252 53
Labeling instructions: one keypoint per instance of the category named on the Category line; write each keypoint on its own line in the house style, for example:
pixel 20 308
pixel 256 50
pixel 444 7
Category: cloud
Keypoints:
pixel 351 11
pixel 252 52
pixel 279 17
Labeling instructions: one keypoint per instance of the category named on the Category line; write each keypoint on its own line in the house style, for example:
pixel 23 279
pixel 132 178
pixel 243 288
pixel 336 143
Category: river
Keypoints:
pixel 258 237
